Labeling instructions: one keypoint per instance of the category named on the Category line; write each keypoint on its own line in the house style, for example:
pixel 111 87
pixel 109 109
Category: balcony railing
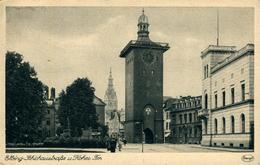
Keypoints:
pixel 203 113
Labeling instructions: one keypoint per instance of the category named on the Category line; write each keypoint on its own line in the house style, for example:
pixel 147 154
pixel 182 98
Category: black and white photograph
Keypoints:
pixel 129 79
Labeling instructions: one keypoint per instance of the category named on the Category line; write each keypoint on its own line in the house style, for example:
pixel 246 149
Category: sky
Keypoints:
pixel 64 43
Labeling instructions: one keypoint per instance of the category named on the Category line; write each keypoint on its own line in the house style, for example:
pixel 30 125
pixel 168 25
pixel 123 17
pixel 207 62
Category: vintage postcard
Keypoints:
pixel 137 83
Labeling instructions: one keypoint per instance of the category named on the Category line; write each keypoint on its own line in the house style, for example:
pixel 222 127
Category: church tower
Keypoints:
pixel 144 86
pixel 111 113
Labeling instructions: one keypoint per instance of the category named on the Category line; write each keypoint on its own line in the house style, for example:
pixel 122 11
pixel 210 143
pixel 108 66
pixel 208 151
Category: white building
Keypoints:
pixel 228 96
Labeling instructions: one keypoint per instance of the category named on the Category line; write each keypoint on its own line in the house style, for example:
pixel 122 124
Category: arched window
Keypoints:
pixel 206 101
pixel 232 124
pixel 223 125
pixel 242 117
pixel 216 126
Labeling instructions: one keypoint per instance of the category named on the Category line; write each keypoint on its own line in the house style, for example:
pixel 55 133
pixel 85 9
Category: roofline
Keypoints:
pixel 137 44
pixel 216 48
pixel 100 100
pixel 246 50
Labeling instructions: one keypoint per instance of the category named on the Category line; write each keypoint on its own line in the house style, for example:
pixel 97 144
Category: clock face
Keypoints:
pixel 148 57
pixel 148 111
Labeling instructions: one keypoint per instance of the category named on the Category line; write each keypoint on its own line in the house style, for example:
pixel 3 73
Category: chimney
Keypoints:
pixel 46 92
pixel 52 93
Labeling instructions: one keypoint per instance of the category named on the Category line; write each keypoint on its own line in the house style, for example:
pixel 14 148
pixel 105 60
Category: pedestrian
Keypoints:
pixel 113 145
pixel 119 145
pixel 124 140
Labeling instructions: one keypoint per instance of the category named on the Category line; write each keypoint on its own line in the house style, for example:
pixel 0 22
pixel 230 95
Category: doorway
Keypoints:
pixel 148 134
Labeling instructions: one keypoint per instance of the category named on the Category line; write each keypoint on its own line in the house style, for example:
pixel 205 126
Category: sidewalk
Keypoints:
pixel 55 150
pixel 223 149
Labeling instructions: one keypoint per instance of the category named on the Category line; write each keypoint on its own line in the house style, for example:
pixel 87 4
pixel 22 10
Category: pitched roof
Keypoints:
pixel 98 101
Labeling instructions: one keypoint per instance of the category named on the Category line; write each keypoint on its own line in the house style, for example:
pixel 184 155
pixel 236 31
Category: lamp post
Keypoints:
pixel 142 129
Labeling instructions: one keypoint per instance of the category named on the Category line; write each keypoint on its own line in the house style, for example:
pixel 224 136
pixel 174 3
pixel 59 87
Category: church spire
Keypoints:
pixel 110 79
pixel 143 33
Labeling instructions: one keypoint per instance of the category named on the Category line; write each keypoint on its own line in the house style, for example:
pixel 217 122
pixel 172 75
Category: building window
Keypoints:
pixel 48 122
pixel 206 101
pixel 223 125
pixel 48 111
pixel 243 92
pixel 232 75
pixel 216 100
pixel 216 126
pixel 190 117
pixel 180 132
pixel 242 123
pixel 232 95
pixel 185 118
pixel 167 126
pixel 167 115
pixel 206 71
pixel 242 70
pixel 224 98
pixel 232 124
pixel 195 132
pixel 180 117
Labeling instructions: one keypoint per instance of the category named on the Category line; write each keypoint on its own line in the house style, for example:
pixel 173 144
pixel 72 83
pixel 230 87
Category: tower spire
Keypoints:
pixel 110 79
pixel 143 33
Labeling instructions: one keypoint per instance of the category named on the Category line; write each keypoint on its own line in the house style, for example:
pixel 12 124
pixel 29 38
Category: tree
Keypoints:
pixel 77 110
pixel 24 100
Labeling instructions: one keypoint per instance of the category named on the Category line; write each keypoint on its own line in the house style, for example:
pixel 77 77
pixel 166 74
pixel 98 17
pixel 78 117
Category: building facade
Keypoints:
pixel 100 109
pixel 228 96
pixel 144 87
pixel 111 109
pixel 185 124
pixel 167 103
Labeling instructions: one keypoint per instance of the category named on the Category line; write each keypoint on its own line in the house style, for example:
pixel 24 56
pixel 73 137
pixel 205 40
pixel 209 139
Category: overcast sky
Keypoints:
pixel 64 43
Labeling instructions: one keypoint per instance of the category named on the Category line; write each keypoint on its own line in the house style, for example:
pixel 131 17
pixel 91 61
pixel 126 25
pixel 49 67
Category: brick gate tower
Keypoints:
pixel 144 86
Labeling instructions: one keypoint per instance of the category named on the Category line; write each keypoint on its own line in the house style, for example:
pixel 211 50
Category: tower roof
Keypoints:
pixel 143 18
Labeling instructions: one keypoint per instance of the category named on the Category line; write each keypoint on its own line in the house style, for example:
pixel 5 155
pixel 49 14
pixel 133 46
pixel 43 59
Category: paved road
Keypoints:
pixel 149 148
pixel 132 148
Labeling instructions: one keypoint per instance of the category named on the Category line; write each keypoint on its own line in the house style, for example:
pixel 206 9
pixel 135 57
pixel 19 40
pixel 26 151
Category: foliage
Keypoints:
pixel 77 110
pixel 24 100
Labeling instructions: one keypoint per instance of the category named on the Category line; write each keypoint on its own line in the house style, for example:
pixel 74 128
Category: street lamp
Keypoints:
pixel 142 126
